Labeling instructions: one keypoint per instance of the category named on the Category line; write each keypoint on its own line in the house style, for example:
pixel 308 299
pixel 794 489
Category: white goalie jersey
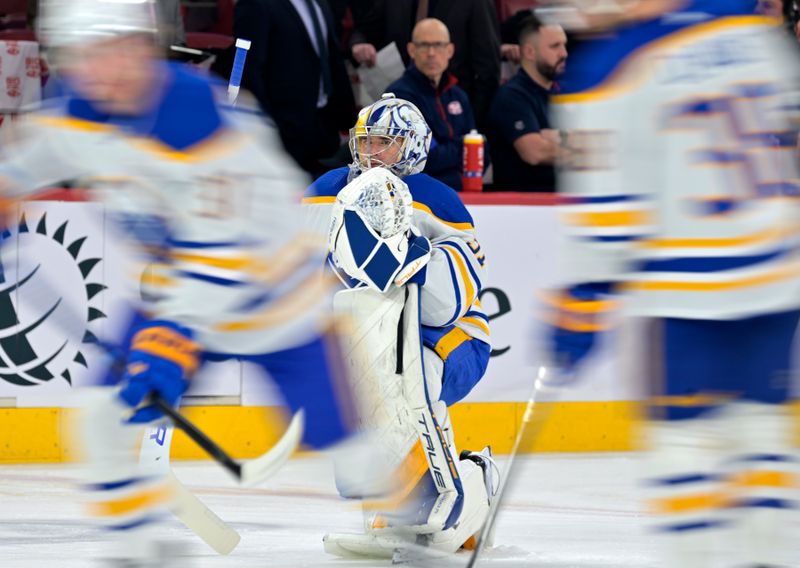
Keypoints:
pixel 688 202
pixel 209 195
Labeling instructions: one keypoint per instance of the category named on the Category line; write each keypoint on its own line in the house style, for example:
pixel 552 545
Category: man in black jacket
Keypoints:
pixel 474 32
pixel 296 72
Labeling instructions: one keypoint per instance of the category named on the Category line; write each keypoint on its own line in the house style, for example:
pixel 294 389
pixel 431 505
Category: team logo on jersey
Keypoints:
pixel 46 301
pixel 455 108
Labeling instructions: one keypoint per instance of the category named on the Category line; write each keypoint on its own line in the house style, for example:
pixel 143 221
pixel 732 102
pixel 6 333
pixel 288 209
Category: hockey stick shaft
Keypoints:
pixel 198 437
pixel 523 433
pixel 235 82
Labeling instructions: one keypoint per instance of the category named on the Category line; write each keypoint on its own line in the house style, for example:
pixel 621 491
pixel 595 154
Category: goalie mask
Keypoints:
pixel 390 133
pixel 369 233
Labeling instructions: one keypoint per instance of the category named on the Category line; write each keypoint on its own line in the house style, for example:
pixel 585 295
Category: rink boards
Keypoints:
pixel 236 405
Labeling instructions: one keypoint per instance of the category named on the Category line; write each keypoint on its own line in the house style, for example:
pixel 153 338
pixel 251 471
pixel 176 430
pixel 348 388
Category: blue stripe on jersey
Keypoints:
pixel 211 279
pixel 774 458
pixel 684 479
pixel 474 314
pixel 469 264
pixel 114 484
pixel 134 524
pixel 455 285
pixel 709 264
pixel 765 503
pixel 611 238
pixel 202 245
pixel 600 199
pixel 695 526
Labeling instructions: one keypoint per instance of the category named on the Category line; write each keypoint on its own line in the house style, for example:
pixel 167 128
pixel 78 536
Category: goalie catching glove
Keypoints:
pixel 371 237
pixel 162 358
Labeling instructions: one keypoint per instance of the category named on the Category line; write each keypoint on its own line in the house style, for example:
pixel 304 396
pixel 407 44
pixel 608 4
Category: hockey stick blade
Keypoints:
pixel 265 466
pixel 201 520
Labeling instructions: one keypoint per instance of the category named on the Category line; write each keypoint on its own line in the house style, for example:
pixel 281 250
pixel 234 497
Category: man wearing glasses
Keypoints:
pixel 434 90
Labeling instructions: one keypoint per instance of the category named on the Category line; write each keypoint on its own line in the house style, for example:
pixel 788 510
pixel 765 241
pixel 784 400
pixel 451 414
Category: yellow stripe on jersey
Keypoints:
pixel 221 143
pixel 232 263
pixel 477 322
pixel 689 401
pixel 320 199
pixel 462 268
pixel 610 218
pixel 450 341
pixel 425 209
pixel 683 286
pixel 752 239
pixel 417 205
pixel 572 304
pixel 71 123
pixel 147 499
pixel 764 478
pixel 689 503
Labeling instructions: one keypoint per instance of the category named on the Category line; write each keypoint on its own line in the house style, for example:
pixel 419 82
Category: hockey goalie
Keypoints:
pixel 417 340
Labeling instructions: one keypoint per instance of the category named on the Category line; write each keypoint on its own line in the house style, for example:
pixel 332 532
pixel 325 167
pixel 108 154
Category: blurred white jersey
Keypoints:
pixel 209 194
pixel 684 164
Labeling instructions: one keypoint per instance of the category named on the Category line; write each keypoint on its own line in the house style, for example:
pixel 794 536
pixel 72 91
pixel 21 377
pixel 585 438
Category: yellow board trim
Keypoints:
pixel 40 435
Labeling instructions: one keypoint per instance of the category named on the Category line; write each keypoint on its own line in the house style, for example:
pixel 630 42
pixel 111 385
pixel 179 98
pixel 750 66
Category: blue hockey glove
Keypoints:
pixel 575 317
pixel 161 360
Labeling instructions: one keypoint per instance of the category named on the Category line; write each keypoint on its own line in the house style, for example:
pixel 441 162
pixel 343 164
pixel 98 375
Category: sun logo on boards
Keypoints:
pixel 46 302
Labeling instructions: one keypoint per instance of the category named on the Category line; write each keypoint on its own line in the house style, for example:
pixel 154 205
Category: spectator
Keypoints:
pixel 523 145
pixel 509 33
pixel 296 72
pixel 473 29
pixel 428 84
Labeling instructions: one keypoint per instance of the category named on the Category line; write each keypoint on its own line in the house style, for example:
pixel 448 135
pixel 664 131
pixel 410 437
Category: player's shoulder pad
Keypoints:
pixel 438 200
pixel 327 186
pixel 594 61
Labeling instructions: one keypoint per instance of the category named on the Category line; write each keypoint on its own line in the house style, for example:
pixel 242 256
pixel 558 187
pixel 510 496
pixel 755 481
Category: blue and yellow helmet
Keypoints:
pixel 390 133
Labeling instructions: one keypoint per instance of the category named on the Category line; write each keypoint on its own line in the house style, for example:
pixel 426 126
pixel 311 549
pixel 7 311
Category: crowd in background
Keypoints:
pixel 484 65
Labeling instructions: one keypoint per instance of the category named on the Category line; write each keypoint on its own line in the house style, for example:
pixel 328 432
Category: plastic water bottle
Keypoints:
pixel 472 170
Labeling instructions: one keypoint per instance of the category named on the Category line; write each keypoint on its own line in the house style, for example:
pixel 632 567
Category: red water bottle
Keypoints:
pixel 472 171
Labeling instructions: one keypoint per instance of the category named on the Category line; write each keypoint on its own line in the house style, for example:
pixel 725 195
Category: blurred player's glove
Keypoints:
pixel 575 317
pixel 162 358
pixel 371 237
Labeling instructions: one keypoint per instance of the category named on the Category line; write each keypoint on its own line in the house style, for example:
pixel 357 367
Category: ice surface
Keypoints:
pixel 562 510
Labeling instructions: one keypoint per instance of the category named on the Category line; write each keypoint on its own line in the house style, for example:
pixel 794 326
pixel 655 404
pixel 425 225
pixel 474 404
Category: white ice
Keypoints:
pixel 562 510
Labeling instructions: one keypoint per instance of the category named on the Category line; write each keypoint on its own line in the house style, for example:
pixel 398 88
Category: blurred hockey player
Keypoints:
pixel 406 250
pixel 681 170
pixel 214 203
